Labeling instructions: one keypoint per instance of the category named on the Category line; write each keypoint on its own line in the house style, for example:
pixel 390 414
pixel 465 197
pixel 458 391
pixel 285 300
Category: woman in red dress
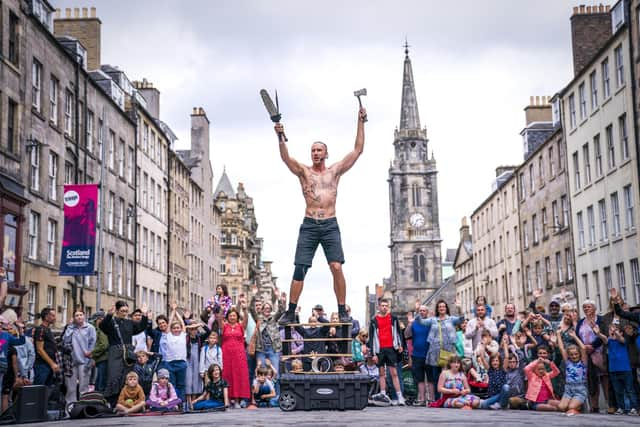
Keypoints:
pixel 236 371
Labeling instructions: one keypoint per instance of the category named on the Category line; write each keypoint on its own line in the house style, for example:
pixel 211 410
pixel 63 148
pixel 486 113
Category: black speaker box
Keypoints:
pixel 31 404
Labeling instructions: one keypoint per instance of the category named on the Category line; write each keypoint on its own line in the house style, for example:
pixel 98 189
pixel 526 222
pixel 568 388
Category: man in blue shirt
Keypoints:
pixel 418 333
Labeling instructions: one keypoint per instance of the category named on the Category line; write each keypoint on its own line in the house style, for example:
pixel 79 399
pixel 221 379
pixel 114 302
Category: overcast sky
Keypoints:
pixel 475 65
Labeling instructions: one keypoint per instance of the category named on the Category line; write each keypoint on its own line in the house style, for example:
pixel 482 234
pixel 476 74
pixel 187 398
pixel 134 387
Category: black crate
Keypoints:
pixel 323 391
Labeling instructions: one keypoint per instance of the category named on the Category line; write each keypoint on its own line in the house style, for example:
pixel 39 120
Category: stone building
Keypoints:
pixel 179 184
pixel 204 219
pixel 59 121
pixel 602 154
pixel 546 244
pixel 463 266
pixel 496 246
pixel 416 269
pixel 240 247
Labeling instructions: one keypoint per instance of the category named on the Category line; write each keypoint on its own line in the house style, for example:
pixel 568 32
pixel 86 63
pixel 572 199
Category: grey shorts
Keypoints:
pixel 576 392
pixel 314 232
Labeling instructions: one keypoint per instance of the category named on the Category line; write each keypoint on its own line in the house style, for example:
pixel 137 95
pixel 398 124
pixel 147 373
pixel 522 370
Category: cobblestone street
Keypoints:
pixel 369 417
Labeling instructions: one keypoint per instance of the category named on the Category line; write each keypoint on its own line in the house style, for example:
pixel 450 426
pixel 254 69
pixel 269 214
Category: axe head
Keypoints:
pixel 361 92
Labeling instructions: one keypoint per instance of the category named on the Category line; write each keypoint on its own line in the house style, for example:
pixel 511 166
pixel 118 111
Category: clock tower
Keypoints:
pixel 416 264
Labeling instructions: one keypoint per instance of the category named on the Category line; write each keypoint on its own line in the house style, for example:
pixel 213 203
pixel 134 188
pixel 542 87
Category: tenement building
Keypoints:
pixel 496 245
pixel 240 247
pixel 463 267
pixel 179 184
pixel 547 253
pixel 204 243
pixel 415 246
pixel 598 118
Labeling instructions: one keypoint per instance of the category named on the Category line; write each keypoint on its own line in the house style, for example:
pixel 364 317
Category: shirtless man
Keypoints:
pixel 320 189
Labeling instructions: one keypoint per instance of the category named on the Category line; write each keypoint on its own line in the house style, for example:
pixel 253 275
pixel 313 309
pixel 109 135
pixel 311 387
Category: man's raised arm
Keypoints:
pixel 349 160
pixel 292 164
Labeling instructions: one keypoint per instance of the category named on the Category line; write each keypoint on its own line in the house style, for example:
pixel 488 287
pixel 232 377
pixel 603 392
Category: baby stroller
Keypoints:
pixel 410 390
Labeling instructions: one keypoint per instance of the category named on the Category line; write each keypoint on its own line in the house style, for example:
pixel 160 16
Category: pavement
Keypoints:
pixel 370 416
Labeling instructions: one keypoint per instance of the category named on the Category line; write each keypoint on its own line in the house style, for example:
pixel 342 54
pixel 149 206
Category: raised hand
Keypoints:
pixel 174 306
pixel 537 293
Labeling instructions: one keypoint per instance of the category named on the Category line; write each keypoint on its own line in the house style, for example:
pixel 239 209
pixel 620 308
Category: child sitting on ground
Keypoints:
pixel 540 395
pixel 216 392
pixel 262 390
pixel 359 347
pixel 163 395
pixel 454 387
pixel 131 399
pixel 145 370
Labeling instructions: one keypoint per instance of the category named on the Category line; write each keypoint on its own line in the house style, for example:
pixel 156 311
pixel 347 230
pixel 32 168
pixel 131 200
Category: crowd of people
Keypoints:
pixel 229 356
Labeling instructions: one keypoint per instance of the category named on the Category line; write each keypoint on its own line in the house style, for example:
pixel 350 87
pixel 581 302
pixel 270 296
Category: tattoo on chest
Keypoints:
pixel 315 187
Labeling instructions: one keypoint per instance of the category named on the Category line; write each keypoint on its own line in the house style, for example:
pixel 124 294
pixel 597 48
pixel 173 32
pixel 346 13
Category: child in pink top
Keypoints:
pixel 540 391
pixel 163 395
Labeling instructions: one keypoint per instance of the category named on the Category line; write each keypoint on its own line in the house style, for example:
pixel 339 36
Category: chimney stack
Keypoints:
pixel 200 133
pixel 538 110
pixel 83 26
pixel 464 230
pixel 590 30
pixel 151 95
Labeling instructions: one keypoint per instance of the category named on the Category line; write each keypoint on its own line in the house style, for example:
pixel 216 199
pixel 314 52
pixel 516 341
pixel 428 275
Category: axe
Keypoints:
pixel 273 110
pixel 358 94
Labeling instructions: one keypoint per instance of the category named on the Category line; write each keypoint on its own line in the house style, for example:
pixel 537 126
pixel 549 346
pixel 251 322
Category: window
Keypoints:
pixel 68 112
pixel 121 154
pixel 587 164
pixel 597 152
pixel 628 207
pixel 576 168
pixel 572 112
pixel 607 278
pixel 635 276
pixel 569 257
pixel 159 146
pixel 119 278
pixel 112 150
pixel 624 137
pixel 145 190
pixel 545 222
pixel 53 100
pixel 525 234
pixel 68 173
pixel 552 165
pixel 145 244
pixel 110 272
pixel 145 138
pixel 565 210
pixel 622 280
pixel 120 217
pixel 36 84
pixel 594 90
pixel 129 277
pixel 14 38
pixel 152 145
pixel 585 284
pixel 415 195
pixel 604 228
pixel 615 213
pixel 606 88
pixel 541 171
pixel 532 186
pixel 538 275
pixel 596 282
pixel 100 137
pixel 547 271
pixel 234 265
pixel 53 175
pixel 159 201
pixel 559 267
pixel 619 65
pixel 611 149
pixel 523 188
pixel 89 132
pixel 159 252
pixel 12 126
pixel 592 225
pixel 583 101
pixel 130 163
pixel 52 236
pixel 32 301
pixel 34 228
pixel 580 222
pixel 130 215
pixel 51 296
pixel 34 169
pixel 534 225
pixel 555 214
pixel 152 196
pixel 528 279
pixel 110 212
pixel 152 249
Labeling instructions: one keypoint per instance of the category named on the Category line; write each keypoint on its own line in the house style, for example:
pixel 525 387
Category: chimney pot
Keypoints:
pixel 76 12
pixel 582 8
pixel 58 13
pixel 531 100
pixel 92 12
pixel 85 12
pixel 589 9
pixel 195 111
pixel 607 8
pixel 67 12
pixel 575 10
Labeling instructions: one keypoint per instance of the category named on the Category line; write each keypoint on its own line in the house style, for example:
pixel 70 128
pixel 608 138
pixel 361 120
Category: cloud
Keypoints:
pixel 475 65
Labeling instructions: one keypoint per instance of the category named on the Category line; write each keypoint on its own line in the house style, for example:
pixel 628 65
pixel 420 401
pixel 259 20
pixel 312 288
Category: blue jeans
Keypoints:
pixel 268 353
pixel 251 364
pixel 43 374
pixel 622 383
pixel 101 376
pixel 177 375
pixel 208 404
pixel 502 398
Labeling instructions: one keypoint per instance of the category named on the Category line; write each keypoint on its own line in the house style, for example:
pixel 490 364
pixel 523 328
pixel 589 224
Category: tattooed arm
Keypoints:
pixel 294 166
pixel 345 164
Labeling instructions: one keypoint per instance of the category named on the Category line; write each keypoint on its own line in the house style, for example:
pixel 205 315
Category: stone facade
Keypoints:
pixel 590 28
pixel 416 270
pixel 179 184
pixel 545 224
pixel 240 246
pixel 463 266
pixel 603 168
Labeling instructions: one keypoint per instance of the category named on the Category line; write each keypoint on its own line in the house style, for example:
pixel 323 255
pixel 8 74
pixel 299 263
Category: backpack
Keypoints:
pixel 90 405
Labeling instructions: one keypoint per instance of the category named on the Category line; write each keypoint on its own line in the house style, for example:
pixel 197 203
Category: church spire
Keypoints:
pixel 409 116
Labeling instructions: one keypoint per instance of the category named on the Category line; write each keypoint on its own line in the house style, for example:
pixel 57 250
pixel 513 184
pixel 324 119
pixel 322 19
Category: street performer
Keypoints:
pixel 320 226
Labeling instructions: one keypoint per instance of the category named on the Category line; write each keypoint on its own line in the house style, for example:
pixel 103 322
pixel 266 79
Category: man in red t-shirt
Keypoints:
pixel 385 341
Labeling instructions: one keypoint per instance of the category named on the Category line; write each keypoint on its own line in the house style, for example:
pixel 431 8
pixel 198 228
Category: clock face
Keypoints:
pixel 416 220
pixel 222 206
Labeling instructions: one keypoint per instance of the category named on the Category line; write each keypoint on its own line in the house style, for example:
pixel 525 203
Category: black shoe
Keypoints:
pixel 287 318
pixel 344 317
